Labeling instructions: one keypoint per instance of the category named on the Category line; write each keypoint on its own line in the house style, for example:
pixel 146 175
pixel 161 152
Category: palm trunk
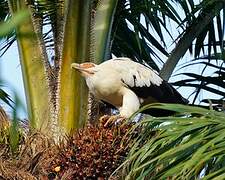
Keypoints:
pixel 33 64
pixel 73 95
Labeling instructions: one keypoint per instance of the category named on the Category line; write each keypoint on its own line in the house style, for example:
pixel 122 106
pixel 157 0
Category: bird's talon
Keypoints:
pixel 113 120
pixel 119 120
pixel 103 119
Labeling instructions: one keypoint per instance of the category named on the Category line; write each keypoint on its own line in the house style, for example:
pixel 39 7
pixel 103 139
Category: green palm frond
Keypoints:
pixel 207 38
pixel 140 29
pixel 200 26
pixel 189 145
pixel 212 82
pixel 4 10
pixel 8 25
pixel 6 28
pixel 5 97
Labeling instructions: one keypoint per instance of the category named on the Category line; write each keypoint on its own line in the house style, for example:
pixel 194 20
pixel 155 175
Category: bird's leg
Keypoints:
pixel 130 105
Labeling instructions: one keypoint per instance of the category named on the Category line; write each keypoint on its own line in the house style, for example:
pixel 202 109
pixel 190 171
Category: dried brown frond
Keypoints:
pixel 4 133
pixel 35 150
pixel 4 120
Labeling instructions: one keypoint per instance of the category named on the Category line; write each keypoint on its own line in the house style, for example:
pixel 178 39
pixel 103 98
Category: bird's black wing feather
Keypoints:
pixel 165 93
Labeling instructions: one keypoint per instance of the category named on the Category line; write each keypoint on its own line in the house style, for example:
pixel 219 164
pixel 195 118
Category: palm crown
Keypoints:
pixel 81 30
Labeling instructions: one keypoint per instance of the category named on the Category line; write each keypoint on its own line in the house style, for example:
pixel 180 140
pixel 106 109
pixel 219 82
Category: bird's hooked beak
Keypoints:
pixel 76 66
pixel 84 69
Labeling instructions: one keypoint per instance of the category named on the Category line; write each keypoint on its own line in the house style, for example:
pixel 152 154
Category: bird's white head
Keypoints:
pixel 86 69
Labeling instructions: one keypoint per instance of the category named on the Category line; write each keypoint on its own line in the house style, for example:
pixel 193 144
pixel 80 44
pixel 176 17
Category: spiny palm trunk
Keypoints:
pixel 57 97
pixel 34 69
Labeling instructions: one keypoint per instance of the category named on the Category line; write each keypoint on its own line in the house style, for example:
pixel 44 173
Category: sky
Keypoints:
pixel 10 72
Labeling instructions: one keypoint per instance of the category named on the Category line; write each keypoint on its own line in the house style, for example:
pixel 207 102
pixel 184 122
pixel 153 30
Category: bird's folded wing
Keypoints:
pixel 146 83
pixel 137 75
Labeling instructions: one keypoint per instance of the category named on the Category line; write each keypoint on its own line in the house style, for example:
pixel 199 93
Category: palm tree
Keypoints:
pixel 81 30
pixel 56 96
pixel 190 144
pixel 74 32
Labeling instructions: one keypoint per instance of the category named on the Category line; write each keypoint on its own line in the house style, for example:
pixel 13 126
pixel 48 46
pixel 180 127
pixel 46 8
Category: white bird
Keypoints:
pixel 127 85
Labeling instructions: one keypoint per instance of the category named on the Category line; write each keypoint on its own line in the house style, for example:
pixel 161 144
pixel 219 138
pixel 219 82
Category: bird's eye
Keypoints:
pixel 87 65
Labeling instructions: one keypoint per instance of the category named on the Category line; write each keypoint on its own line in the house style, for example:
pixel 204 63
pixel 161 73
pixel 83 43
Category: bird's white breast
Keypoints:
pixel 106 86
